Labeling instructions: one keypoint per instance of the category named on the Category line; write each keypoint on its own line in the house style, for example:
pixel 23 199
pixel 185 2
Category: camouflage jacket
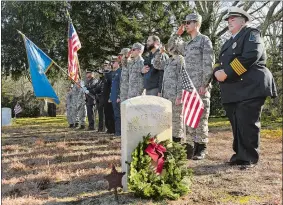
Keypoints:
pixel 124 83
pixel 135 78
pixel 199 58
pixel 172 79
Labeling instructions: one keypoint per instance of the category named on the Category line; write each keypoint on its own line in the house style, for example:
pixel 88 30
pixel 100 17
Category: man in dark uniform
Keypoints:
pixel 108 109
pixel 245 83
pixel 90 91
pixel 114 97
pixel 100 100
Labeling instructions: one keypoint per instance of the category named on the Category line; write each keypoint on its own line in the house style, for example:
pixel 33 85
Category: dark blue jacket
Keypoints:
pixel 115 86
pixel 153 78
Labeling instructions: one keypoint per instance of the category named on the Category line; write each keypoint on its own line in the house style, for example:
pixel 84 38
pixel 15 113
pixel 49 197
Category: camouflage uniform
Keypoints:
pixel 124 84
pixel 68 107
pixel 172 89
pixel 135 78
pixel 81 107
pixel 199 59
pixel 74 103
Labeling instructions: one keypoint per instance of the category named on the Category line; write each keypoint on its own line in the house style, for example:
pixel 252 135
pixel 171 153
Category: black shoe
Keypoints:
pixel 176 139
pixel 76 124
pixel 110 132
pixel 233 163
pixel 190 151
pixel 200 152
pixel 195 148
pixel 91 128
pixel 71 125
pixel 82 127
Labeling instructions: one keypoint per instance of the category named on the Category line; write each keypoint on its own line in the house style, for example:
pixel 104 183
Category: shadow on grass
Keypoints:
pixel 210 169
pixel 106 197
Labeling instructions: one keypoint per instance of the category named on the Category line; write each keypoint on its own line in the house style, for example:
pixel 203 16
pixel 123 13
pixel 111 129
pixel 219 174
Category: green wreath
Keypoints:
pixel 173 182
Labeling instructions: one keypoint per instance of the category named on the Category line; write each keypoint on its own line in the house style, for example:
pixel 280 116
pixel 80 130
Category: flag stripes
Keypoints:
pixel 193 106
pixel 74 45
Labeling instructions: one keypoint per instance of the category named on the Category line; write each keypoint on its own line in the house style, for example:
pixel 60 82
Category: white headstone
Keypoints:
pixel 139 116
pixel 6 116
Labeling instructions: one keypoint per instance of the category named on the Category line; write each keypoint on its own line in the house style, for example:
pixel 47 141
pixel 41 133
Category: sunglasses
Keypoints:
pixel 188 22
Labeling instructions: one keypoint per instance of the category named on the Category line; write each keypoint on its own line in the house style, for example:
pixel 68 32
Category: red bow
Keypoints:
pixel 155 151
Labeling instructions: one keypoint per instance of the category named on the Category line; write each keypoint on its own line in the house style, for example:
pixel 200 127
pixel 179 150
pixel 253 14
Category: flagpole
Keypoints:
pixel 80 74
pixel 91 95
pixel 70 21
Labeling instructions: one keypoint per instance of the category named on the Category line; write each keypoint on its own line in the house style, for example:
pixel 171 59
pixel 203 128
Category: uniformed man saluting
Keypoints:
pixel 199 59
pixel 245 83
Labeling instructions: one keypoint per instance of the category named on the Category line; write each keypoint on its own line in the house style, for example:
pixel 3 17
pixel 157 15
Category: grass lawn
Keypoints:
pixel 44 162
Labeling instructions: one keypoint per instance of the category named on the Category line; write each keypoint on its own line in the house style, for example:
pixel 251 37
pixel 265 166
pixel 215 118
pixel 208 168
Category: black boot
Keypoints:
pixel 71 125
pixel 176 139
pixel 91 128
pixel 200 152
pixel 195 148
pixel 82 127
pixel 190 150
pixel 76 124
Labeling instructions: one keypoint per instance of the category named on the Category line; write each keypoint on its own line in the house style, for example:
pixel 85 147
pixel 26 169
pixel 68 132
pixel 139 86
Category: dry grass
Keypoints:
pixel 52 164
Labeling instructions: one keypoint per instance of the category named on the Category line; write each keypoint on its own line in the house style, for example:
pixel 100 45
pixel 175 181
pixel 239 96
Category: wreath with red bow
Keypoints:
pixel 158 170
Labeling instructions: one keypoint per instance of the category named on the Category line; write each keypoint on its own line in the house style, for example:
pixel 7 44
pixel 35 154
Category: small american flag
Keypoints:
pixel 193 106
pixel 17 109
pixel 74 45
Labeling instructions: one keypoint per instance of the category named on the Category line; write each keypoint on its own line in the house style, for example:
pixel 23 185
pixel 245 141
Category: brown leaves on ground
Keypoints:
pixel 57 165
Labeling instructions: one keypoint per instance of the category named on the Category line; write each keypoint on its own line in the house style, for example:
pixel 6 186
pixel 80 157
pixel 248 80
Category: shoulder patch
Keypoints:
pixel 254 36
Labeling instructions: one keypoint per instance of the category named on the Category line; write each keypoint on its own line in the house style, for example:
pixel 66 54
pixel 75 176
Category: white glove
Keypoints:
pixel 86 92
pixel 82 84
pixel 84 88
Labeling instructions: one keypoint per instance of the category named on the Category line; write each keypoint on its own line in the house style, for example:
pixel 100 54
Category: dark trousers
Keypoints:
pixel 90 115
pixel 245 121
pixel 117 118
pixel 109 117
pixel 100 109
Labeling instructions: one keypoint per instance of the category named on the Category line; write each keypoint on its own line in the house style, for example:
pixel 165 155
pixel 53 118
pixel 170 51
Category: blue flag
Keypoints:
pixel 39 63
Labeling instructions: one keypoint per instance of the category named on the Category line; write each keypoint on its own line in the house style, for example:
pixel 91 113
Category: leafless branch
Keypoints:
pixel 248 5
pixel 235 3
pixel 199 7
pixel 222 31
pixel 263 5
pixel 278 15
pixel 268 18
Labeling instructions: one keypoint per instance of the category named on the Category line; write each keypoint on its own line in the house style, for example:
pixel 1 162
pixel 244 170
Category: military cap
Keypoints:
pixel 99 71
pixel 236 11
pixel 193 17
pixel 114 58
pixel 106 62
pixel 124 51
pixel 138 46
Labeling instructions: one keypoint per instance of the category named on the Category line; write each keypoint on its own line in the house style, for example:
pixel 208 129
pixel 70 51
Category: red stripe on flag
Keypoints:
pixel 192 108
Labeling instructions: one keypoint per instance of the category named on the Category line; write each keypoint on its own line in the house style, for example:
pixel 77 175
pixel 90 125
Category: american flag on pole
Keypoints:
pixel 17 109
pixel 193 106
pixel 74 45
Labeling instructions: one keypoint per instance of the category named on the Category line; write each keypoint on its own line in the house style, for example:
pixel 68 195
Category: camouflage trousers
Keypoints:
pixel 200 134
pixel 74 114
pixel 177 121
pixel 81 116
pixel 69 116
